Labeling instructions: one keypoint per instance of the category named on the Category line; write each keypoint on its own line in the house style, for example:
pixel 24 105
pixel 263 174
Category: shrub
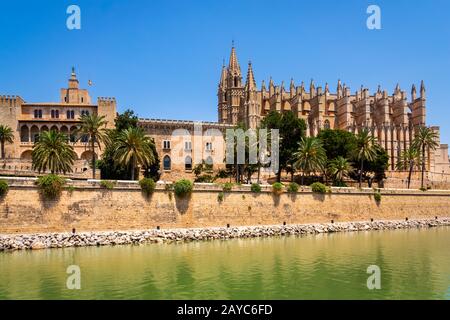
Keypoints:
pixel 340 184
pixel 318 187
pixel 147 185
pixel 292 187
pixel 205 178
pixel 183 187
pixel 222 174
pixel 277 187
pixel 256 188
pixel 107 184
pixel 227 187
pixel 4 187
pixel 377 196
pixel 51 185
pixel 220 197
pixel 423 189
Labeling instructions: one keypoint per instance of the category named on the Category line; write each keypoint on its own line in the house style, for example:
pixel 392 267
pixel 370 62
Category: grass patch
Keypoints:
pixel 50 185
pixel 292 187
pixel 148 185
pixel 318 187
pixel 183 187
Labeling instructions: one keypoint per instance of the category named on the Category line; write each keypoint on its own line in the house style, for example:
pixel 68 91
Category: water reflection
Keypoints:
pixel 414 264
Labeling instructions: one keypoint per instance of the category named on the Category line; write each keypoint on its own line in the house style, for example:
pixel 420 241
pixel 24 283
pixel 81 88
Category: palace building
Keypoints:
pixel 28 119
pixel 391 118
pixel 181 145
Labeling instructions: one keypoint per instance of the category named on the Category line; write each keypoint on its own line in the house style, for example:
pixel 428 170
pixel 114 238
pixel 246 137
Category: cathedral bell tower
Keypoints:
pixel 231 91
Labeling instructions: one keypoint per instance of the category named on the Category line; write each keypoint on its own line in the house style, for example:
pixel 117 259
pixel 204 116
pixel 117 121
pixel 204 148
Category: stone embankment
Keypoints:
pixel 64 240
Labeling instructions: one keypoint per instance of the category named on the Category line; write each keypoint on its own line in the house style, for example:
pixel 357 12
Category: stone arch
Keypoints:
pixel 64 130
pixel 54 128
pixel 24 134
pixel 34 133
pixel 167 163
pixel 73 135
pixel 326 124
pixel 26 155
pixel 209 161
pixel 87 155
pixel 44 128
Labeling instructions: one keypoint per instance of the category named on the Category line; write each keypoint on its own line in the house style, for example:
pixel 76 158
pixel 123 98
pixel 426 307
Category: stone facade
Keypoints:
pixel 28 119
pixel 90 208
pixel 183 144
pixel 391 118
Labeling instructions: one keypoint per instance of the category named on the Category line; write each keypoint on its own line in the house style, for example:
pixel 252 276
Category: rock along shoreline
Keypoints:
pixel 107 238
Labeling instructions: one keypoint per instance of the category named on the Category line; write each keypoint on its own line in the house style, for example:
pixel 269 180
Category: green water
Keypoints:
pixel 415 264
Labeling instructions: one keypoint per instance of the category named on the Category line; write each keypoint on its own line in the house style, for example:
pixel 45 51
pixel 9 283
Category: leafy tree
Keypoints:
pixel 152 171
pixel 126 120
pixel 53 152
pixel 425 139
pixel 94 127
pixel 310 156
pixel 133 148
pixel 291 131
pixel 340 168
pixel 408 160
pixel 110 169
pixel 377 166
pixel 6 136
pixel 366 150
pixel 338 143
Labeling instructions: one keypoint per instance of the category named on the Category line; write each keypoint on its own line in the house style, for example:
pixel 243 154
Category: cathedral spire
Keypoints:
pixel 233 66
pixel 251 83
pixel 413 92
pixel 422 90
pixel 223 76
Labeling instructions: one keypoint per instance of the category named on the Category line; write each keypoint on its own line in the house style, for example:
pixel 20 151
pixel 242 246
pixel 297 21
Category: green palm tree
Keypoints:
pixel 310 156
pixel 366 150
pixel 94 128
pixel 408 160
pixel 340 168
pixel 425 139
pixel 132 147
pixel 6 136
pixel 52 151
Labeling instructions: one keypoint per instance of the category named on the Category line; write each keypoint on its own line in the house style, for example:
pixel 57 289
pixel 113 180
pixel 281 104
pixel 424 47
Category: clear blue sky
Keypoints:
pixel 163 58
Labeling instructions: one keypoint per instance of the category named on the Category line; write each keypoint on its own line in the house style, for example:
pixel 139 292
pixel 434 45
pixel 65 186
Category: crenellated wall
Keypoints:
pixel 91 208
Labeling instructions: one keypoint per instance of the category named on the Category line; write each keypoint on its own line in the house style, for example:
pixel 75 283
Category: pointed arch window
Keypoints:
pixel 167 163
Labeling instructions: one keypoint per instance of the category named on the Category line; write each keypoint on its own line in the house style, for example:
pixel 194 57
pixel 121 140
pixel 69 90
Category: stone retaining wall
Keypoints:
pixel 90 208
pixel 64 240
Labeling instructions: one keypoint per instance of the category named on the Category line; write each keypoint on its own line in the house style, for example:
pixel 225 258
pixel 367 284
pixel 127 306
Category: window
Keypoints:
pixel 85 138
pixel 208 146
pixel 70 114
pixel 188 145
pixel 166 163
pixel 84 112
pixel 38 114
pixel 188 163
pixel 166 145
pixel 326 125
pixel 55 114
pixel 82 100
